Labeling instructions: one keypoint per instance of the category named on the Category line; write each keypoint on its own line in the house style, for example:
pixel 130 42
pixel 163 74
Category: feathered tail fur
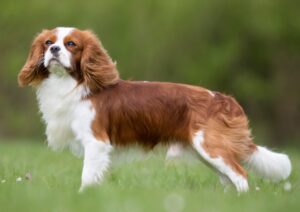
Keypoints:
pixel 269 165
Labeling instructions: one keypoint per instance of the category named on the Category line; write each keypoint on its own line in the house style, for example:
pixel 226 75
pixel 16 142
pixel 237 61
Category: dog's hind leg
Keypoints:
pixel 222 162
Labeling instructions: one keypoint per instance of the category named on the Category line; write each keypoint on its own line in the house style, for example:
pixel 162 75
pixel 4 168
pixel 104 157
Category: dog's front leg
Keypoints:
pixel 96 162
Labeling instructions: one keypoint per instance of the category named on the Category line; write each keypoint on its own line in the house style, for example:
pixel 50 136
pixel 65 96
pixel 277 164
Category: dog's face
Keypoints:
pixel 60 47
pixel 76 53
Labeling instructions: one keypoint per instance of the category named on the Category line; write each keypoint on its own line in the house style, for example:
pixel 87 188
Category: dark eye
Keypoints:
pixel 71 43
pixel 48 42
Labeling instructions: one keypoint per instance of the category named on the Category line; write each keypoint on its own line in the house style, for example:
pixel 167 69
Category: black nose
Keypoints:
pixel 54 49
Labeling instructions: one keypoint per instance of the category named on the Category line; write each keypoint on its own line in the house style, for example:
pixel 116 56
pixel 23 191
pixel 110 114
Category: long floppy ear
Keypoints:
pixel 34 71
pixel 97 68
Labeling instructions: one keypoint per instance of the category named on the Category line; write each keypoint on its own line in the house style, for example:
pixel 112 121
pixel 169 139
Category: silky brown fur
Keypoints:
pixel 33 72
pixel 96 66
pixel 149 113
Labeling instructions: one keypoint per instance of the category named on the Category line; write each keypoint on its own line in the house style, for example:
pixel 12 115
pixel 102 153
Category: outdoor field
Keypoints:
pixel 136 181
pixel 249 50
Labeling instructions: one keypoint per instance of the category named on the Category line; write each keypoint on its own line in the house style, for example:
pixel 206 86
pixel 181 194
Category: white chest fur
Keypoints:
pixel 67 116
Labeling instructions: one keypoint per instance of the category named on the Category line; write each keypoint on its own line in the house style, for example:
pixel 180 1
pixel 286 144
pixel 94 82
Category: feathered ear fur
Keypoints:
pixel 97 68
pixel 33 72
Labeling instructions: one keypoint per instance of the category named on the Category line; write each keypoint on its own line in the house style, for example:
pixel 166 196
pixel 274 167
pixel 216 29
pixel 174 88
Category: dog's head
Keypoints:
pixel 69 51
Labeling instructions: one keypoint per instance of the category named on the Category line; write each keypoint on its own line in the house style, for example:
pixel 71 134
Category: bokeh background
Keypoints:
pixel 249 49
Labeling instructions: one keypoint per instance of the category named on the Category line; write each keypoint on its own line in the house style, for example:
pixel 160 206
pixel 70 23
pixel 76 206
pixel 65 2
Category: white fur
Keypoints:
pixel 96 162
pixel 270 165
pixel 68 119
pixel 64 56
pixel 239 181
pixel 175 150
pixel 60 102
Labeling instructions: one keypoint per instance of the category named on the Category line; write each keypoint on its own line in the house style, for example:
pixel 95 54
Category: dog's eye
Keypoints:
pixel 48 42
pixel 71 43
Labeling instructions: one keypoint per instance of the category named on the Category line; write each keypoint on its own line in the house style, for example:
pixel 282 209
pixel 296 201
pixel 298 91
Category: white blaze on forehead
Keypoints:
pixel 62 32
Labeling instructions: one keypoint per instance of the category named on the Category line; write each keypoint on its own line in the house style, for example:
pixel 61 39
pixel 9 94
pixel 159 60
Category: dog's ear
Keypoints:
pixel 34 71
pixel 97 68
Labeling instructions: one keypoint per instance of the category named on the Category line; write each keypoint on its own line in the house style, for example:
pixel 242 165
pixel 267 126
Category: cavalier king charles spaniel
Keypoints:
pixel 89 109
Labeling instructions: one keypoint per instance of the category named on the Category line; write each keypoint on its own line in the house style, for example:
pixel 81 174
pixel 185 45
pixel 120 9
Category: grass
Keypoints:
pixel 136 182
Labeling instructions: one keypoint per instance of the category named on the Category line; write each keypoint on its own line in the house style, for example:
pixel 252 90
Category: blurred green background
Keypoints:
pixel 249 49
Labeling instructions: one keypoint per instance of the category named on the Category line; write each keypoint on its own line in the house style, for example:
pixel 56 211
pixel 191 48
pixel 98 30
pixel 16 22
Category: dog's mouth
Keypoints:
pixel 56 67
pixel 54 61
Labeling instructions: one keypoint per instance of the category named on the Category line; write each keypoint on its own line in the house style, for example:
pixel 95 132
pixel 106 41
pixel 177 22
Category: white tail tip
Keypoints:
pixel 270 165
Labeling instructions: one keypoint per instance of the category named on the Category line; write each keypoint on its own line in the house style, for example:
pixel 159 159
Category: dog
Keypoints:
pixel 87 108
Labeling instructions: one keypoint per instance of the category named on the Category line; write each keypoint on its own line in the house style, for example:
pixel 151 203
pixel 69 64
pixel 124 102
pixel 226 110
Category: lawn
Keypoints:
pixel 136 181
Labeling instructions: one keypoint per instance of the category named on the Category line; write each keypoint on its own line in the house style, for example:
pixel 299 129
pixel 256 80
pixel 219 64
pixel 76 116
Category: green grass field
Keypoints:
pixel 136 181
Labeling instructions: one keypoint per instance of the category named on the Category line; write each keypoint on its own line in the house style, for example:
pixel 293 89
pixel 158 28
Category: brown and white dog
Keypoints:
pixel 89 109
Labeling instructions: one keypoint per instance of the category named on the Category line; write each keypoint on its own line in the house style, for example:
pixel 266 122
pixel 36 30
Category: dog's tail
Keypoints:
pixel 269 165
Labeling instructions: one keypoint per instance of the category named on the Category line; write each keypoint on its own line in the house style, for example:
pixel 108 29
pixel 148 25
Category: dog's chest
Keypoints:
pixel 60 99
